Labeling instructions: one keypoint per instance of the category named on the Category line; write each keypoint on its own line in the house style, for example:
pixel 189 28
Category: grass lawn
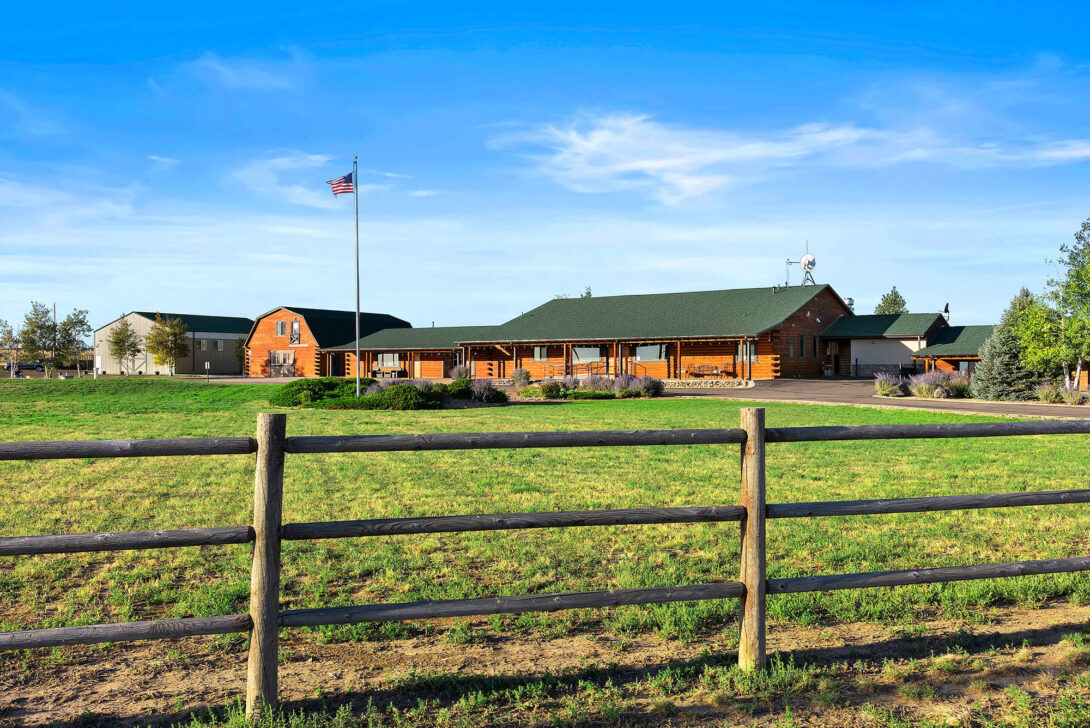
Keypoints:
pixel 48 497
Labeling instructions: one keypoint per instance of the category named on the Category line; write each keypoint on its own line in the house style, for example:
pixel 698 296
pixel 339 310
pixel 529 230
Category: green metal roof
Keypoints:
pixel 200 322
pixel 873 326
pixel 331 328
pixel 734 312
pixel 435 337
pixel 957 341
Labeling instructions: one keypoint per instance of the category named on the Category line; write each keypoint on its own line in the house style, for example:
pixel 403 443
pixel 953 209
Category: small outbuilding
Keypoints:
pixel 955 348
pixel 877 343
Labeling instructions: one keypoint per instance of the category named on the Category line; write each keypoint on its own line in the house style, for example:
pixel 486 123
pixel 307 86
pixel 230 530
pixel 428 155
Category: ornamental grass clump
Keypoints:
pixel 959 386
pixel 520 378
pixel 1072 396
pixel 650 386
pixel 625 383
pixel 887 385
pixel 460 372
pixel 932 385
pixel 596 383
pixel 483 391
pixel 1048 393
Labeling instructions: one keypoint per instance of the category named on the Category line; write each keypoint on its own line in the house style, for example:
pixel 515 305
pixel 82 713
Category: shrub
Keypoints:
pixel 551 390
pixel 394 397
pixel 923 389
pixel 650 386
pixel 570 382
pixel 520 378
pixel 291 394
pixel 927 385
pixel 483 391
pixel 1072 396
pixel 590 394
pixel 625 382
pixel 460 372
pixel 460 388
pixel 531 392
pixel 629 394
pixel 596 383
pixel 1048 393
pixel 959 386
pixel 887 385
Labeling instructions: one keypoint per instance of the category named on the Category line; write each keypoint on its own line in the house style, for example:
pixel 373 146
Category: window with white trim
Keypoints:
pixel 586 353
pixel 281 328
pixel 541 353
pixel 389 360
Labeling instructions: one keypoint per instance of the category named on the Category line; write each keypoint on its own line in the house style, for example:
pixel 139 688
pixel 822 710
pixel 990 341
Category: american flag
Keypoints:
pixel 341 184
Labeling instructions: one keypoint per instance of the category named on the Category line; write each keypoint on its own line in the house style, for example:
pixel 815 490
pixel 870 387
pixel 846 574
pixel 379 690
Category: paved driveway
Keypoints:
pixel 861 392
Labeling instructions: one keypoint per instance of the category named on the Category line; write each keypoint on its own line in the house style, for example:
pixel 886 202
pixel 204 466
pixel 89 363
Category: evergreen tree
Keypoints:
pixel 1001 375
pixel 166 341
pixel 892 302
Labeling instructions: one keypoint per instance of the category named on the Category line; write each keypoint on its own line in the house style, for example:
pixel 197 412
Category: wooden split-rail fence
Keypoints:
pixel 265 617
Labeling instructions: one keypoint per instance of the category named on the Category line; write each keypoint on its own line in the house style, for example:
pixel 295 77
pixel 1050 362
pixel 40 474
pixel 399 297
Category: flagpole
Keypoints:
pixel 356 198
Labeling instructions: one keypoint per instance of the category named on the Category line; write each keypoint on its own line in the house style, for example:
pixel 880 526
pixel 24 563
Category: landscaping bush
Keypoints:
pixel 625 382
pixel 887 385
pixel 393 397
pixel 590 394
pixel 461 388
pixel 551 390
pixel 1072 396
pixel 532 391
pixel 650 386
pixel 460 372
pixel 1048 393
pixel 596 383
pixel 1001 374
pixel 629 394
pixel 520 378
pixel 483 391
pixel 959 386
pixel 928 385
pixel 291 394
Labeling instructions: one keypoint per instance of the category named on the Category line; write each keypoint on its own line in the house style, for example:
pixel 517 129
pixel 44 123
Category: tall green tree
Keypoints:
pixel 240 351
pixel 9 342
pixel 892 302
pixel 1000 374
pixel 124 344
pixel 38 336
pixel 72 333
pixel 166 341
pixel 1054 328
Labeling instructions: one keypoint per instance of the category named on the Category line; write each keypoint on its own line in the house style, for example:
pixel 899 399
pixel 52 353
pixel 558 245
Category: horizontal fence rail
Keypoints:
pixel 160 629
pixel 508 521
pixel 127 448
pixel 509 605
pixel 124 541
pixel 267 532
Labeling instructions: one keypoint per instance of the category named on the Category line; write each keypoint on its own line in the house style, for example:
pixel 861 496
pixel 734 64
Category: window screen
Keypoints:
pixel 586 353
pixel 387 361
pixel 541 353
pixel 651 352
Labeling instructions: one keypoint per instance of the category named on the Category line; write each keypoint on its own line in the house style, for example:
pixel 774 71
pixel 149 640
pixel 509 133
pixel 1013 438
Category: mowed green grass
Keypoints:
pixel 49 497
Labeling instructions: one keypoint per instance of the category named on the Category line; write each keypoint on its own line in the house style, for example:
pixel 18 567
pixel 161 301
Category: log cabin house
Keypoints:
pixel 297 342
pixel 425 353
pixel 749 333
pixel 954 348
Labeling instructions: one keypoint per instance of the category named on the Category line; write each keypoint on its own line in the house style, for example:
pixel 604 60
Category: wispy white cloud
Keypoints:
pixel 164 162
pixel 24 119
pixel 266 177
pixel 424 193
pixel 673 163
pixel 249 74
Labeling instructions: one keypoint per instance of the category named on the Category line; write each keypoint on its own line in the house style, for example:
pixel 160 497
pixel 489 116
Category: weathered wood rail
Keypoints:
pixel 266 533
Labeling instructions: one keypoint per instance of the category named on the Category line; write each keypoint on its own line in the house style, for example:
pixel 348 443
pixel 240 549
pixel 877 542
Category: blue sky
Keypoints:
pixel 157 160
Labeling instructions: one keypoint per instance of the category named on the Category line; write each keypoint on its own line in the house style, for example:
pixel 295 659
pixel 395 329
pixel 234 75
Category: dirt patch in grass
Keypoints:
pixel 1024 668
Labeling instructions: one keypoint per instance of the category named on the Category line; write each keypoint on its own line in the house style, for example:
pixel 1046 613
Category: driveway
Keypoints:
pixel 861 392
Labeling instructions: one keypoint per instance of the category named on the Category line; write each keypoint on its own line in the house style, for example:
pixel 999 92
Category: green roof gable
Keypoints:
pixel 200 322
pixel 433 338
pixel 733 312
pixel 332 328
pixel 957 341
pixel 874 326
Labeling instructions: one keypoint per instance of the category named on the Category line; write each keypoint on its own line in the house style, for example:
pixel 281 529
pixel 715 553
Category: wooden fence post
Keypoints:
pixel 751 643
pixel 261 677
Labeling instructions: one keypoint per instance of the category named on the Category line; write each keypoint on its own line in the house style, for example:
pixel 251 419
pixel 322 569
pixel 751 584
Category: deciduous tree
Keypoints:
pixel 9 342
pixel 38 336
pixel 72 333
pixel 124 344
pixel 166 341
